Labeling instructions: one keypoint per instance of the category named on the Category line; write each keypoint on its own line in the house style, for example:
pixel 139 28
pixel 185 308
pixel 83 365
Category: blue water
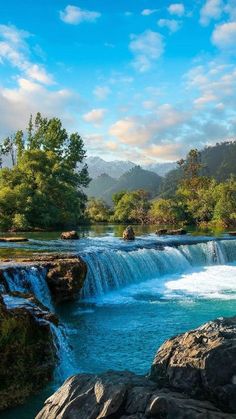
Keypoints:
pixel 135 297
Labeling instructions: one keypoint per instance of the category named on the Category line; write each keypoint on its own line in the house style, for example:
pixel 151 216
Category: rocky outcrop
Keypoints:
pixel 28 354
pixel 65 278
pixel 201 363
pixel 193 376
pixel 70 235
pixel 64 275
pixel 128 233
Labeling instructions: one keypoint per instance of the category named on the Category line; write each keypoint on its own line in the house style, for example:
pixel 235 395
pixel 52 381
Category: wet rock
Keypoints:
pixel 13 239
pixel 201 363
pixel 128 233
pixel 232 233
pixel 70 235
pixel 28 354
pixel 179 231
pixel 65 278
pixel 161 232
pixel 65 274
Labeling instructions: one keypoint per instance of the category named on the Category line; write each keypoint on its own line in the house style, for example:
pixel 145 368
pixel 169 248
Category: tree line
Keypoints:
pixel 199 200
pixel 44 188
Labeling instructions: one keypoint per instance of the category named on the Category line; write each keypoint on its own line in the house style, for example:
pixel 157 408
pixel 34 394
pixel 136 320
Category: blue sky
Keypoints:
pixel 144 80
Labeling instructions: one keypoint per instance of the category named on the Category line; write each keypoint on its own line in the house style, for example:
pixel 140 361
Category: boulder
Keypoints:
pixel 70 235
pixel 122 395
pixel 161 232
pixel 192 376
pixel 201 363
pixel 28 354
pixel 65 278
pixel 128 233
pixel 232 233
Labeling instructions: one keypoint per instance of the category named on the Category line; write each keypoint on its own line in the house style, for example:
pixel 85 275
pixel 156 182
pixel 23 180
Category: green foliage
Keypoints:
pixel 131 206
pixel 97 210
pixel 166 211
pixel 225 208
pixel 44 187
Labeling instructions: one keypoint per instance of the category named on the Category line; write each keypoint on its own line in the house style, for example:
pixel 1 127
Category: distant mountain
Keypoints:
pixel 160 168
pixel 100 185
pixel 105 186
pixel 115 169
pixel 97 166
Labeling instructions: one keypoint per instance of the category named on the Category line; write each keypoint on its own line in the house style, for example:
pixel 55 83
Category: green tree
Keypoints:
pixel 44 188
pixel 166 211
pixel 131 207
pixel 97 210
pixel 225 208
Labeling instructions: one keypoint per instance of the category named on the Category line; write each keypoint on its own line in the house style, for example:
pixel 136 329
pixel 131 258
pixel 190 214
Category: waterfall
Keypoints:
pixel 29 279
pixel 111 270
pixel 66 364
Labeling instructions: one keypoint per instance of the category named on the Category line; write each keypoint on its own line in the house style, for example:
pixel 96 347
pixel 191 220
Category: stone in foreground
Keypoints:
pixel 70 235
pixel 201 363
pixel 192 377
pixel 128 233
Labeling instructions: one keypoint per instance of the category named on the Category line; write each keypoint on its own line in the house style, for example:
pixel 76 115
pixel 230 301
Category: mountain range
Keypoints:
pixel 97 166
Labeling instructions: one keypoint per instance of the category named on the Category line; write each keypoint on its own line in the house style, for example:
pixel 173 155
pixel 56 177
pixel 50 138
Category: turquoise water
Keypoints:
pixel 135 297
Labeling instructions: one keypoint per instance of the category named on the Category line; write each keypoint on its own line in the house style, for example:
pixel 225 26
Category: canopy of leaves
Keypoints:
pixel 43 188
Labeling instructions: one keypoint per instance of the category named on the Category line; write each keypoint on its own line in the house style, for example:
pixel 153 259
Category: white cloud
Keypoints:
pixel 147 48
pixel 212 9
pixel 102 92
pixel 95 116
pixel 148 12
pixel 171 24
pixel 177 9
pixel 141 129
pixel 16 104
pixel 224 35
pixel 75 15
pixel 15 51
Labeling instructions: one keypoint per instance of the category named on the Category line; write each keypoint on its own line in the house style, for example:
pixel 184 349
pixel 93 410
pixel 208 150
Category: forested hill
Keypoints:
pixel 105 186
pixel 218 161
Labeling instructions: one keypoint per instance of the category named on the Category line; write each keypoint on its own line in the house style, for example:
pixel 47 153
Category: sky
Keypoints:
pixel 140 80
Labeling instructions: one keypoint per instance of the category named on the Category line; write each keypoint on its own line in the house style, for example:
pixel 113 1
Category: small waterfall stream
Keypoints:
pixel 30 280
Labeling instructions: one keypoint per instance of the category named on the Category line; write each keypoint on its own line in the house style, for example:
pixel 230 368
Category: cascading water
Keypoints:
pixel 111 270
pixel 66 365
pixel 31 279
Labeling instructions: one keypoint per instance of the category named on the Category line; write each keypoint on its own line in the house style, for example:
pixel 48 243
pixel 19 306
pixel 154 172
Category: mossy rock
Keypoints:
pixel 28 355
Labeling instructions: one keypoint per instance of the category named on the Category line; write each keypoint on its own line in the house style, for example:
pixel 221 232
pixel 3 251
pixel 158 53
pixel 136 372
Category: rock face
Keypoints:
pixel 70 235
pixel 122 395
pixel 65 275
pixel 65 278
pixel 28 354
pixel 201 363
pixel 192 377
pixel 128 233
